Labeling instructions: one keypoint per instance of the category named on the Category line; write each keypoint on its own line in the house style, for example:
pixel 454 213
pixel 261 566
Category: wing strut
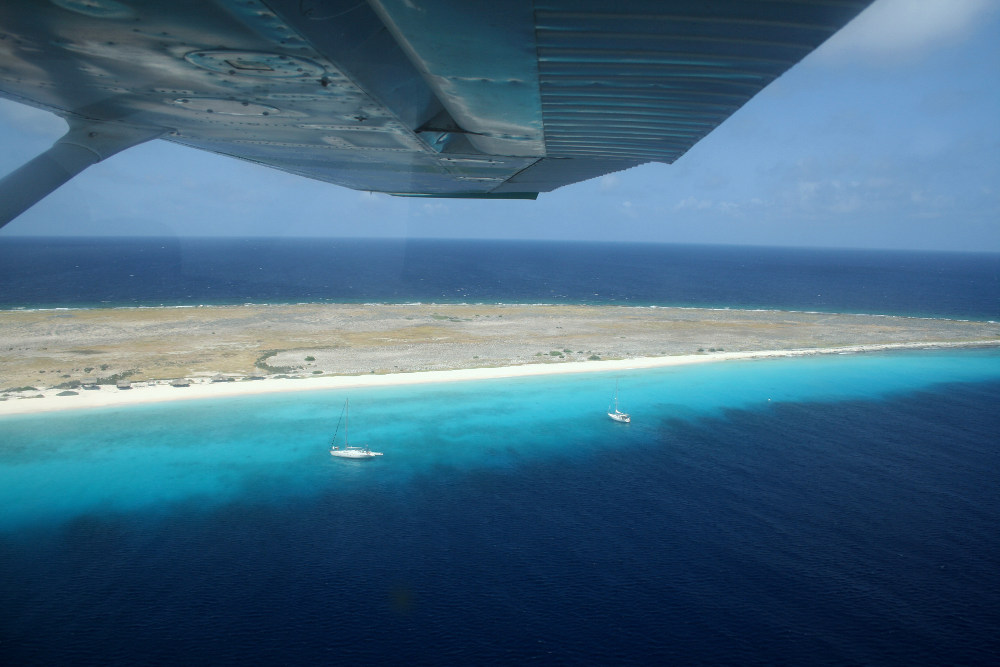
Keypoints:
pixel 85 143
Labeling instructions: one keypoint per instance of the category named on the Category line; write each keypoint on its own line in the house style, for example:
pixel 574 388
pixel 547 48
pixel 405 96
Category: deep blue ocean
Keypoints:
pixel 93 272
pixel 835 510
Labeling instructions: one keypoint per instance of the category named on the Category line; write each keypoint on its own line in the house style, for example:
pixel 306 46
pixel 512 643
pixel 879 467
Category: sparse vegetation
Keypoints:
pixel 310 358
pixel 262 364
pixel 114 379
pixel 67 393
pixel 381 339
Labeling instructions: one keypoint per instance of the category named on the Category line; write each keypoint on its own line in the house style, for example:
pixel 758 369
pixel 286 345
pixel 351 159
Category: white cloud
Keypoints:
pixel 609 182
pixel 807 189
pixel 900 28
pixel 694 204
pixel 434 208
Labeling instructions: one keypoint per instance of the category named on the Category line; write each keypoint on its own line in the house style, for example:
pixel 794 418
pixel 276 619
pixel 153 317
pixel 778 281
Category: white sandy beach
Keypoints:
pixel 153 392
pixel 84 354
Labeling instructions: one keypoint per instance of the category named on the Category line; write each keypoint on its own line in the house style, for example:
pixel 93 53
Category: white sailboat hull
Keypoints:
pixel 620 417
pixel 350 451
pixel 614 412
pixel 354 453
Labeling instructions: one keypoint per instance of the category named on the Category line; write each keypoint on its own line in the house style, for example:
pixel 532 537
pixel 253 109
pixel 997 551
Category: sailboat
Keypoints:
pixel 617 414
pixel 348 451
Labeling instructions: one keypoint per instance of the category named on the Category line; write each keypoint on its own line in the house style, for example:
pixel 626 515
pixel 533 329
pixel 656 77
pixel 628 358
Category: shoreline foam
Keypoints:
pixel 497 304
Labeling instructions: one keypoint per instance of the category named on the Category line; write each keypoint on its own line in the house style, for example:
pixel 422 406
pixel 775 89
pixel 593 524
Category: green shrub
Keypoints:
pixel 113 379
pixel 262 364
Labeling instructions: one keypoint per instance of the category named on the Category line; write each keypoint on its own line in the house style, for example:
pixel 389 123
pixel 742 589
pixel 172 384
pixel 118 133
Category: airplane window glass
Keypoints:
pixel 434 332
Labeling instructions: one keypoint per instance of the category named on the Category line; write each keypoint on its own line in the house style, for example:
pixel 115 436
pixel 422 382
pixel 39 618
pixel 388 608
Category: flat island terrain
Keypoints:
pixel 46 353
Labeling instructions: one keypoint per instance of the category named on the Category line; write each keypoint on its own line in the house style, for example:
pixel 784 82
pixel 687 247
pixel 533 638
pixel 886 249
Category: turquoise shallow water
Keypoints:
pixel 827 510
pixel 850 519
pixel 149 459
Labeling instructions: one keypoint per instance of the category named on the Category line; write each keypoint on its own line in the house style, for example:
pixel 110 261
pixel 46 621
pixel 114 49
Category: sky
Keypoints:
pixel 887 136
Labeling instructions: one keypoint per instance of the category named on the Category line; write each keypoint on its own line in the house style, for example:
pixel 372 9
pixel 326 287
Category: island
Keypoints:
pixel 70 358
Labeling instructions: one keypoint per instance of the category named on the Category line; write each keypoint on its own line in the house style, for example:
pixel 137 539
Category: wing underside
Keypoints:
pixel 469 98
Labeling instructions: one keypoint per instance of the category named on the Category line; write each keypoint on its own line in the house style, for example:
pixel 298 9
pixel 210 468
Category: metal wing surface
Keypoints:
pixel 445 98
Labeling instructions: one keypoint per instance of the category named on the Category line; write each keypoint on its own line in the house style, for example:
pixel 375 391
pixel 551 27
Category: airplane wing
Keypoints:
pixel 443 98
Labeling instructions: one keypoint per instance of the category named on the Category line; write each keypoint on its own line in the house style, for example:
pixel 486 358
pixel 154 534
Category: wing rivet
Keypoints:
pixel 255 64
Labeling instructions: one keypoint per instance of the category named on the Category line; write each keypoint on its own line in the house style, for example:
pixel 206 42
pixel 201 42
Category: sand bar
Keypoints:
pixel 327 346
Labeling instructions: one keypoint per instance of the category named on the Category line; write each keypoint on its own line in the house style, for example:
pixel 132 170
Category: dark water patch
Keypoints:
pixel 854 532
